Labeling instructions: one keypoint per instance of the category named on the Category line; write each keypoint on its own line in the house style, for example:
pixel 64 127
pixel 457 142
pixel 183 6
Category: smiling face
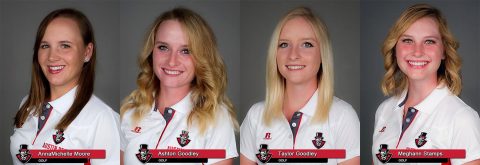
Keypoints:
pixel 62 53
pixel 172 61
pixel 298 53
pixel 419 50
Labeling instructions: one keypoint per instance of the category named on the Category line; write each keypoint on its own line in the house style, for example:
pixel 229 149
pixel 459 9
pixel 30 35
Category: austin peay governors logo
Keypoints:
pixel 23 154
pixel 422 139
pixel 58 137
pixel 183 139
pixel 383 154
pixel 318 142
pixel 264 155
pixel 143 154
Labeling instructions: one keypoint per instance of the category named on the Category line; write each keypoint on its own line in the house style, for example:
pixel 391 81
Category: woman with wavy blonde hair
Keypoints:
pixel 181 91
pixel 300 104
pixel 423 75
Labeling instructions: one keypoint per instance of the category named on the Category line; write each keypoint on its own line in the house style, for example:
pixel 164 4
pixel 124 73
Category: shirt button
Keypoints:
pixel 48 106
pixel 169 111
pixel 407 120
pixel 298 114
pixel 412 110
pixel 294 124
pixel 42 117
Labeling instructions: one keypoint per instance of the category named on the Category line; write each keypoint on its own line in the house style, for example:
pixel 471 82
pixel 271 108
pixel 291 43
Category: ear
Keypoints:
pixel 89 52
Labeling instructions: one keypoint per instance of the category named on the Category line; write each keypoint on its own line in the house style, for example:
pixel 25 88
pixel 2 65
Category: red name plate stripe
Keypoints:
pixel 307 153
pixel 428 153
pixel 68 154
pixel 188 153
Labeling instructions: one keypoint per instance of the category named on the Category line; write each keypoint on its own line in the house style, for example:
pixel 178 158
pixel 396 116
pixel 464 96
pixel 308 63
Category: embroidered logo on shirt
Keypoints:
pixel 58 137
pixel 183 139
pixel 422 139
pixel 318 142
pixel 267 136
pixel 383 154
pixel 383 129
pixel 143 154
pixel 24 154
pixel 137 129
pixel 264 154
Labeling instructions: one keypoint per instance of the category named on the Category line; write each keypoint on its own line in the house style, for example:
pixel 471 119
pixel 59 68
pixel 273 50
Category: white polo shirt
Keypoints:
pixel 95 127
pixel 218 136
pixel 340 131
pixel 447 122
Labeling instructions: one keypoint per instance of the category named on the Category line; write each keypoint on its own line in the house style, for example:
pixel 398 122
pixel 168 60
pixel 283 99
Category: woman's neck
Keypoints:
pixel 170 96
pixel 296 97
pixel 418 91
pixel 58 91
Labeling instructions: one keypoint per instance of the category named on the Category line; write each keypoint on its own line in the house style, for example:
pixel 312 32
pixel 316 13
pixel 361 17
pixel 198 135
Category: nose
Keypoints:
pixel 172 60
pixel 294 53
pixel 418 50
pixel 53 55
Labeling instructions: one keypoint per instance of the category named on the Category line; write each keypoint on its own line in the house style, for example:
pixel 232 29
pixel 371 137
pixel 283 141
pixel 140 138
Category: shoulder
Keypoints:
pixel 457 111
pixel 255 113
pixel 96 108
pixel 340 108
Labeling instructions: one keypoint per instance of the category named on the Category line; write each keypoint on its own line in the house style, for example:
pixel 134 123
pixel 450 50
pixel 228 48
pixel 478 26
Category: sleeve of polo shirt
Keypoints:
pixel 222 136
pixel 348 133
pixel 466 135
pixel 247 134
pixel 107 137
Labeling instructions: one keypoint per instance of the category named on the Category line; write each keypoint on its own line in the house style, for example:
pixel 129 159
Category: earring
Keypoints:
pixel 86 60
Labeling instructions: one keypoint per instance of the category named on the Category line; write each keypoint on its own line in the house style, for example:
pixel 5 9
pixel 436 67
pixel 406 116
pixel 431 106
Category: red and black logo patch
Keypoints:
pixel 421 140
pixel 58 137
pixel 24 154
pixel 318 142
pixel 383 154
pixel 183 140
pixel 264 154
pixel 143 154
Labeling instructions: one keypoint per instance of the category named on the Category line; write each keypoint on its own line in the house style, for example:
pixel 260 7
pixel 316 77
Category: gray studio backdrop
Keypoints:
pixel 258 21
pixel 19 21
pixel 377 17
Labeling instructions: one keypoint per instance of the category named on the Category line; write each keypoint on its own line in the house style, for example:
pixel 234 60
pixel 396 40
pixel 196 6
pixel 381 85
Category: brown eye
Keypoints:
pixel 407 40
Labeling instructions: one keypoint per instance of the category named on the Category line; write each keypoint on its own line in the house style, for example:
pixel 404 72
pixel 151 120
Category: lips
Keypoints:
pixel 54 69
pixel 172 72
pixel 295 67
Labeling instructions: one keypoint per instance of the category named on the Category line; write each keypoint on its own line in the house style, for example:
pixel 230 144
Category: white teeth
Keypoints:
pixel 295 67
pixel 56 67
pixel 417 63
pixel 172 72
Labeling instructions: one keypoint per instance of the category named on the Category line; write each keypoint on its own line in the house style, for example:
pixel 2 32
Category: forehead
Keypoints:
pixel 297 27
pixel 423 26
pixel 62 28
pixel 170 29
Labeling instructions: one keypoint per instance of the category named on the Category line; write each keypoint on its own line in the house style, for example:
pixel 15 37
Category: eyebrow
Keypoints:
pixel 164 43
pixel 302 39
pixel 406 35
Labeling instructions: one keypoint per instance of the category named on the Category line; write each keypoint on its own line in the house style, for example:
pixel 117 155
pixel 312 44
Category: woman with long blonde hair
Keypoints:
pixel 300 105
pixel 423 77
pixel 180 102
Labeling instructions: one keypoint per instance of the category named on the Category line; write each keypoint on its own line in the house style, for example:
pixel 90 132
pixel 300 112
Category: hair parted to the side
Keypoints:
pixel 275 82
pixel 208 88
pixel 40 88
pixel 395 81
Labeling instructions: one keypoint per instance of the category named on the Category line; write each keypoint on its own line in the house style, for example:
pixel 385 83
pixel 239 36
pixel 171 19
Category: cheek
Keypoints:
pixel 402 50
pixel 435 52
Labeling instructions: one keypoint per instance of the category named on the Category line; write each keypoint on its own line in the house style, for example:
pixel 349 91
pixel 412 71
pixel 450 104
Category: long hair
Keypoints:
pixel 210 82
pixel 275 82
pixel 40 88
pixel 395 81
